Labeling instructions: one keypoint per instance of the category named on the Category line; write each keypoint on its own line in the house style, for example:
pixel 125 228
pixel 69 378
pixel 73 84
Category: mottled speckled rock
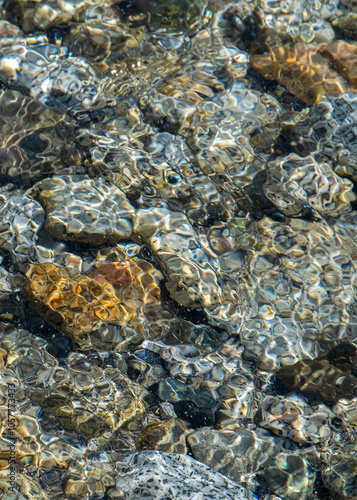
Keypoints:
pixel 233 453
pixel 159 476
pixel 81 209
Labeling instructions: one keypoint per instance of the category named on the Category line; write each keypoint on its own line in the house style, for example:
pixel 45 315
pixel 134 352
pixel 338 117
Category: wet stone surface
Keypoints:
pixel 164 475
pixel 80 209
pixel 178 256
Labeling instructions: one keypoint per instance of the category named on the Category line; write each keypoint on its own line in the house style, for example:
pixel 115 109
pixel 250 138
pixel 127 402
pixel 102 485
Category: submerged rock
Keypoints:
pixel 38 14
pixel 94 401
pixel 60 297
pixel 291 417
pixel 170 14
pixel 235 454
pixel 34 141
pixel 290 477
pixel 26 488
pixel 295 183
pixel 321 378
pixel 339 476
pixel 124 294
pixel 220 376
pixel 295 275
pixel 303 70
pixel 168 436
pixel 81 209
pixel 190 267
pixel 48 74
pixel 21 220
pixel 303 21
pixel 344 57
pixel 157 476
pixel 328 131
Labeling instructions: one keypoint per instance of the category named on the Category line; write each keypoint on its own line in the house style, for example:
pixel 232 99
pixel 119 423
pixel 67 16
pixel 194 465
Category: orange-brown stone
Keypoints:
pixel 305 70
pixel 74 304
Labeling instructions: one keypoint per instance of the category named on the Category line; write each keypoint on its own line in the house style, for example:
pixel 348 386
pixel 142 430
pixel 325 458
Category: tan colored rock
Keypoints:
pixel 302 69
pixel 75 305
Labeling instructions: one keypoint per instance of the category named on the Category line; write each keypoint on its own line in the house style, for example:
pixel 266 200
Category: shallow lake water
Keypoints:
pixel 178 249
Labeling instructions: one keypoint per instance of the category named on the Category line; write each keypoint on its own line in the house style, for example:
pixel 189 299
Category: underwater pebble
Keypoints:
pixel 49 75
pixel 235 454
pixel 291 417
pixel 302 69
pixel 46 14
pixel 21 220
pixel 168 436
pixel 68 391
pixel 290 477
pixel 328 130
pixel 155 476
pixel 35 140
pixel 321 378
pixel 78 208
pixel 302 20
pixel 221 375
pixel 125 294
pixel 293 183
pixel 339 476
pixel 296 276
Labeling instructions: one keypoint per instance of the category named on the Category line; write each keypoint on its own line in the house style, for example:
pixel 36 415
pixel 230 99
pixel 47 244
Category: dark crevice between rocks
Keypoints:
pixel 58 345
pixel 288 101
pixel 320 489
pixel 251 32
pixel 196 316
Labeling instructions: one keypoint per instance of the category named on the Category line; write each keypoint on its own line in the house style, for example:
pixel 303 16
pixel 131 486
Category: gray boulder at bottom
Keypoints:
pixel 151 475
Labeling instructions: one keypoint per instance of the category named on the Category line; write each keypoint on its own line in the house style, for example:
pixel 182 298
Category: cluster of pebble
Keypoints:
pixel 178 249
